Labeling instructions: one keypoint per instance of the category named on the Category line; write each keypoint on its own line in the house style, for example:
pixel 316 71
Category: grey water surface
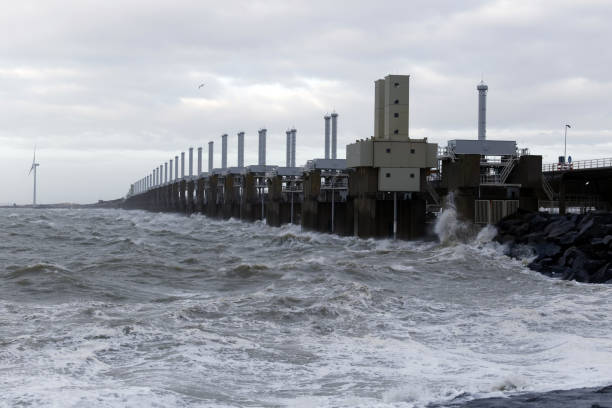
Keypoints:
pixel 117 308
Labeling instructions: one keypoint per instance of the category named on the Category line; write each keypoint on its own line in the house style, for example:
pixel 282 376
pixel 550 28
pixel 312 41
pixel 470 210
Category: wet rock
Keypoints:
pixel 568 256
pixel 547 249
pixel 561 227
pixel 603 274
pixel 574 246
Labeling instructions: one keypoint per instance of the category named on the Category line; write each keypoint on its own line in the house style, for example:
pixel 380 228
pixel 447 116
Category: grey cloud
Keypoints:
pixel 122 76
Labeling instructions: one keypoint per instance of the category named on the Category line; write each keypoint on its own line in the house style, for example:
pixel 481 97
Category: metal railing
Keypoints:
pixel 489 179
pixel 578 165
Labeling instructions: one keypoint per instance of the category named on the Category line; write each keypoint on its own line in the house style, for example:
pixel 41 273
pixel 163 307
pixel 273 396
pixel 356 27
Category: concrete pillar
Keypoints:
pixel 182 195
pixel 327 118
pixel 182 165
pixel 210 157
pixel 200 195
pixel 165 172
pixel 190 205
pixel 334 134
pixel 262 147
pixel 224 151
pixel 190 161
pixel 171 170
pixel 293 134
pixel 161 174
pixel 482 110
pixel 199 161
pixel 241 149
pixel 176 163
pixel 288 154
pixel 562 203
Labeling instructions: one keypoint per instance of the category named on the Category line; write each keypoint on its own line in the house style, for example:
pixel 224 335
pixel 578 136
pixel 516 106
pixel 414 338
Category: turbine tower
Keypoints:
pixel 34 166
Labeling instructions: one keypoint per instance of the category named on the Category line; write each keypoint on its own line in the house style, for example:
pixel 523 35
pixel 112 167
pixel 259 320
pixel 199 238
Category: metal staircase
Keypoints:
pixel 433 193
pixel 550 193
pixel 507 170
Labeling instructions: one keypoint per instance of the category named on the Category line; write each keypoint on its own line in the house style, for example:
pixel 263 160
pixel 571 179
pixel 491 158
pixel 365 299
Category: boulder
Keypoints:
pixel 568 256
pixel 603 274
pixel 567 239
pixel 548 249
pixel 558 228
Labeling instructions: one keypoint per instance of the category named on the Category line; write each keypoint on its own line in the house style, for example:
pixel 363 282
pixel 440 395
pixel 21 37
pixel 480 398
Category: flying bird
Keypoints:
pixel 201 85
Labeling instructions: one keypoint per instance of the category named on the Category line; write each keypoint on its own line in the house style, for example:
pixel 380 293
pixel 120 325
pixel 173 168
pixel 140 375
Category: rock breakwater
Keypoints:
pixel 572 247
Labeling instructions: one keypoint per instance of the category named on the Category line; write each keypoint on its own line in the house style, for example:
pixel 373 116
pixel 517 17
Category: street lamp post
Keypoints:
pixel 565 149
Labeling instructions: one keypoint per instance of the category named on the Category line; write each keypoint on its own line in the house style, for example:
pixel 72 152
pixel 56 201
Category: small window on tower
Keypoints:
pixel 412 151
pixel 396 101
pixel 388 150
pixel 388 175
pixel 396 115
pixel 396 84
pixel 396 132
pixel 411 175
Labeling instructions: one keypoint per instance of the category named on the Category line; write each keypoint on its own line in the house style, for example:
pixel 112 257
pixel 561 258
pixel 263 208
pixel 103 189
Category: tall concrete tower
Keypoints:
pixel 211 146
pixel 293 135
pixel 482 110
pixel 241 149
pixel 182 165
pixel 191 162
pixel 262 147
pixel 334 134
pixel 327 118
pixel 224 151
pixel 199 161
pixel 391 107
pixel 288 153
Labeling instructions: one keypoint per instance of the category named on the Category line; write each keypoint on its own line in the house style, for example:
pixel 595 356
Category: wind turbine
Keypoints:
pixel 34 166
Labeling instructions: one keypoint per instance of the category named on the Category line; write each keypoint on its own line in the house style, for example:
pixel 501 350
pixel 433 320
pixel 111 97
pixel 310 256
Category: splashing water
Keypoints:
pixel 449 228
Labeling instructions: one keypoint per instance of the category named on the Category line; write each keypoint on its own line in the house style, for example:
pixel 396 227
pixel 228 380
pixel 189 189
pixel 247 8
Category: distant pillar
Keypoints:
pixel 182 164
pixel 210 157
pixel 293 133
pixel 262 147
pixel 327 117
pixel 241 149
pixel 224 151
pixel 190 161
pixel 482 110
pixel 161 174
pixel 155 177
pixel 334 134
pixel 288 154
pixel 170 170
pixel 176 163
pixel 165 172
pixel 199 161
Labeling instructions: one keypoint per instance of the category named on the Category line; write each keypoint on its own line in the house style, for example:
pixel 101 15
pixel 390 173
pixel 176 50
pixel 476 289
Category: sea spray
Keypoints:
pixel 449 228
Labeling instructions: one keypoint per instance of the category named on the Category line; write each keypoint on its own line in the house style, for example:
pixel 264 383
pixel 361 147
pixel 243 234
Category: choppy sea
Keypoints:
pixel 113 308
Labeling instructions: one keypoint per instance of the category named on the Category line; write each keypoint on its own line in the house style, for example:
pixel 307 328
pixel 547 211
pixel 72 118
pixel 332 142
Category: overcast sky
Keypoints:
pixel 107 90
